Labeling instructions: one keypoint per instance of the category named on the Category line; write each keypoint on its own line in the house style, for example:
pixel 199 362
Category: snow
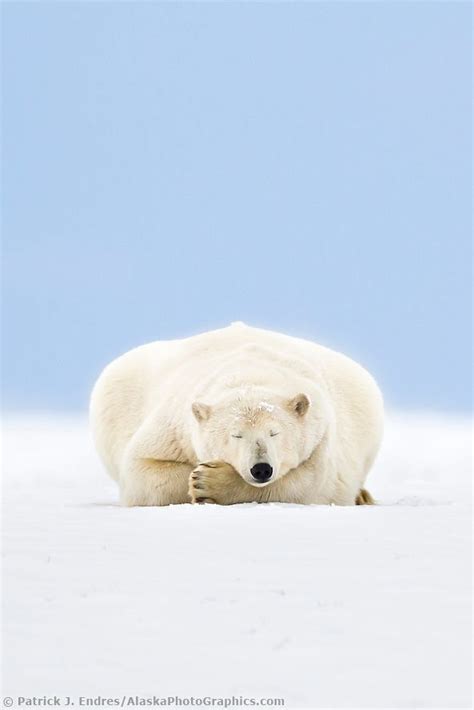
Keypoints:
pixel 362 607
pixel 266 406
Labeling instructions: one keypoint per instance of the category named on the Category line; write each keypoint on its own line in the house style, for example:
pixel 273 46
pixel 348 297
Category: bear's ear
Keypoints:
pixel 299 405
pixel 201 411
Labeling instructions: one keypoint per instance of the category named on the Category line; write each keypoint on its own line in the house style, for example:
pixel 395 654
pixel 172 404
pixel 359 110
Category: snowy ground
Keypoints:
pixel 363 607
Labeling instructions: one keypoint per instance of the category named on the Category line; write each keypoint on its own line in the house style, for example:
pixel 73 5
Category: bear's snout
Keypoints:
pixel 262 472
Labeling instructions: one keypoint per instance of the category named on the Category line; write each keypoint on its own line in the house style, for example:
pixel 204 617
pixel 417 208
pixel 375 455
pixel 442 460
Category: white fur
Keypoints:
pixel 313 414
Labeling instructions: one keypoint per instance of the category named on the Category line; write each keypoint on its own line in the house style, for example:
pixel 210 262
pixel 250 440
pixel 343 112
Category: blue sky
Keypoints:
pixel 171 167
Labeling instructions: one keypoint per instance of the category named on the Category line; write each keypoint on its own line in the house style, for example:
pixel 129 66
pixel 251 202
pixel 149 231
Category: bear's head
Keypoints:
pixel 261 434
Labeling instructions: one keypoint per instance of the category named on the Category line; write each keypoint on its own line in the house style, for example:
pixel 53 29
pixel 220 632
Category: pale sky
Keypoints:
pixel 172 167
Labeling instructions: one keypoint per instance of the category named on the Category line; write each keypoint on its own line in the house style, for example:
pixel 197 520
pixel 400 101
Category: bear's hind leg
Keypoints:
pixel 364 498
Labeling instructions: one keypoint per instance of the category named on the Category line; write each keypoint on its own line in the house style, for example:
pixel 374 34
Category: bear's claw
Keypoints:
pixel 207 483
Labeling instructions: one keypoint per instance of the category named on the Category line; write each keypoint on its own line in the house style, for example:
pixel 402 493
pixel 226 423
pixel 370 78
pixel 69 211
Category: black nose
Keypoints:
pixel 262 472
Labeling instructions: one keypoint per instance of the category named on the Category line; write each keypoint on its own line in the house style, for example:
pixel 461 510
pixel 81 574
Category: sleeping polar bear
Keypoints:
pixel 237 415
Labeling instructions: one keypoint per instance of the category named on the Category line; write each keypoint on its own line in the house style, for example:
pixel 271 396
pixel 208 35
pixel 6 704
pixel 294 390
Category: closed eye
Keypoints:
pixel 236 436
pixel 274 433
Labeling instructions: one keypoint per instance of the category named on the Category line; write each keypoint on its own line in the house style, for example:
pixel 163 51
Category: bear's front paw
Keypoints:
pixel 211 482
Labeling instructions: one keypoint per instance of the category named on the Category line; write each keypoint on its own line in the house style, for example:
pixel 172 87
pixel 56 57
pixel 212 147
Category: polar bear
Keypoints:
pixel 237 415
